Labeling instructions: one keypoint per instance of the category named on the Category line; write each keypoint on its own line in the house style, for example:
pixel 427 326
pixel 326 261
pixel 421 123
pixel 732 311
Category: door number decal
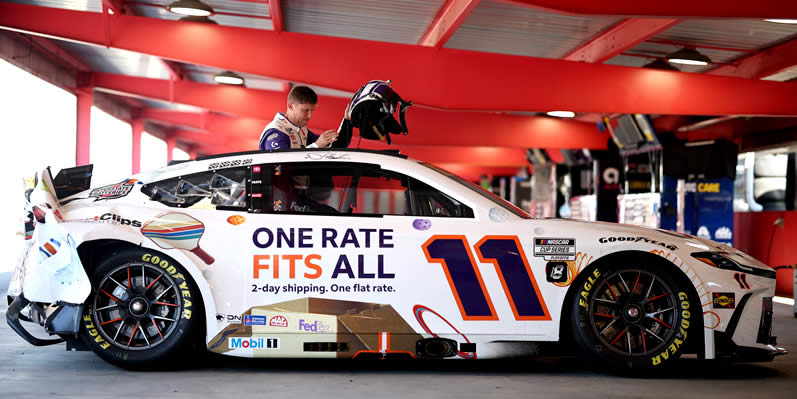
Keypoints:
pixel 511 264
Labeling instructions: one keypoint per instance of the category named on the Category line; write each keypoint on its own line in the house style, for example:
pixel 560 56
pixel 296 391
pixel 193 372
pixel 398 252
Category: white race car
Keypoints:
pixel 366 254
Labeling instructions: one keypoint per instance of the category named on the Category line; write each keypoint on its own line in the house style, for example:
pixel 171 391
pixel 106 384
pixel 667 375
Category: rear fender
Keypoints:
pixel 92 247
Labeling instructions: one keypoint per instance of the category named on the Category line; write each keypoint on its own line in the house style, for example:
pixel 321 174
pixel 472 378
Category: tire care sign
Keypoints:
pixel 555 248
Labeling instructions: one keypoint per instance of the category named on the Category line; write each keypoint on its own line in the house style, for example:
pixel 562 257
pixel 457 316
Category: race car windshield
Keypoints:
pixel 486 194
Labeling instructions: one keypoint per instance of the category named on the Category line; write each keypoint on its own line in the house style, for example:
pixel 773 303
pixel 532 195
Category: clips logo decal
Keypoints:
pixel 254 320
pixel 254 343
pixel 113 191
pixel 555 248
pixel 724 300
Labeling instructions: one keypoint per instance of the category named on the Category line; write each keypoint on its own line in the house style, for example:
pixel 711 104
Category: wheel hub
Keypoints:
pixel 632 313
pixel 138 307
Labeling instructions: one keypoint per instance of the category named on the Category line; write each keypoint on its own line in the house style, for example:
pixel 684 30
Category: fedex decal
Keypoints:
pixel 316 326
pixel 254 343
pixel 314 266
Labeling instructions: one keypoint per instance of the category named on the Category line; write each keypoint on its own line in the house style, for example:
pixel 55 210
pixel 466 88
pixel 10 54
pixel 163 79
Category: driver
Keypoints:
pixel 289 129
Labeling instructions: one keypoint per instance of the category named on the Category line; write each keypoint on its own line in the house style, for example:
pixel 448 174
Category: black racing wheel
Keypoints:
pixel 628 315
pixel 141 312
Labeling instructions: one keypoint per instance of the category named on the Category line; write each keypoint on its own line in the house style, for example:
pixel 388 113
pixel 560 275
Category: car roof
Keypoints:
pixel 394 153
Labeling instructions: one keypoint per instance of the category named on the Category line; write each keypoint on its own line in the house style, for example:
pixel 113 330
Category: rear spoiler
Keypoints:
pixel 71 181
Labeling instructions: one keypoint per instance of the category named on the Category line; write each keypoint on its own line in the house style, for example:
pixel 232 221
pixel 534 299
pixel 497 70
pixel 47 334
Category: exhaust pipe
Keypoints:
pixel 437 348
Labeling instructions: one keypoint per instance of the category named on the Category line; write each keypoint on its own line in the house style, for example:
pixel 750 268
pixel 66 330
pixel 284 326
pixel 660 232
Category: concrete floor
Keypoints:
pixel 30 372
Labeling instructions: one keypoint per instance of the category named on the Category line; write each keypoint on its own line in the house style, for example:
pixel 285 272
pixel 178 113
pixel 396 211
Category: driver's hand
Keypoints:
pixel 327 138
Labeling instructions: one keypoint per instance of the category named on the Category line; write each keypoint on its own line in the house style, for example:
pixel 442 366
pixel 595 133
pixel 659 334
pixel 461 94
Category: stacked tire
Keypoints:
pixel 769 186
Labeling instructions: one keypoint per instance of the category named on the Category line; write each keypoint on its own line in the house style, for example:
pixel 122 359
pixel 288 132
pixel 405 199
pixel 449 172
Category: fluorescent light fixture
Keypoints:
pixel 561 114
pixel 698 143
pixel 194 18
pixel 190 7
pixel 229 78
pixel 686 56
pixel 782 21
pixel 660 64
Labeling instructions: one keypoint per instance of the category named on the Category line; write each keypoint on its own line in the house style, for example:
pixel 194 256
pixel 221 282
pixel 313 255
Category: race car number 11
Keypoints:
pixel 506 254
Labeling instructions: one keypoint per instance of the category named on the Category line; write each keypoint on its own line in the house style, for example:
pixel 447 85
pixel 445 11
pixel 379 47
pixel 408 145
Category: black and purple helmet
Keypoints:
pixel 372 108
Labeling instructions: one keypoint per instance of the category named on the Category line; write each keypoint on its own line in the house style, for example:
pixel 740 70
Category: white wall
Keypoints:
pixel 111 149
pixel 179 155
pixel 37 122
pixel 153 152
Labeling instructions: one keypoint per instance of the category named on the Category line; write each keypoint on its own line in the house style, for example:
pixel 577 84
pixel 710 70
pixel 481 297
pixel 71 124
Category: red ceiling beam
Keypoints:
pixel 474 156
pixel 427 127
pixel 214 129
pixel 442 78
pixel 671 8
pixel 210 141
pixel 275 11
pixel 115 5
pixel 480 156
pixel 52 48
pixel 234 100
pixel 451 16
pixel 210 122
pixel 174 69
pixel 669 123
pixel 737 127
pixel 621 37
pixel 761 64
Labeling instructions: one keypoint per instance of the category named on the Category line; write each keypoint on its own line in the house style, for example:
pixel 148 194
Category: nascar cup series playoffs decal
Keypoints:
pixel 555 248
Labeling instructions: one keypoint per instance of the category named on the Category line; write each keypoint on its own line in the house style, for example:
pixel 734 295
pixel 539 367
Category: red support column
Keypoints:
pixel 85 99
pixel 170 142
pixel 138 130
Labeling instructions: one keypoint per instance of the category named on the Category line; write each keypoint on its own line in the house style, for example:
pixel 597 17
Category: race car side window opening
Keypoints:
pixel 490 196
pixel 336 188
pixel 218 189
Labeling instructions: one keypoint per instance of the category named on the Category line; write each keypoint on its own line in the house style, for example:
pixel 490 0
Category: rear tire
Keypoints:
pixel 627 316
pixel 140 314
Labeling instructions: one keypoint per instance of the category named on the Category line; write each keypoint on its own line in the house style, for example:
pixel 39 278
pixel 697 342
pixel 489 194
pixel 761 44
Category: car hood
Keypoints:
pixel 686 243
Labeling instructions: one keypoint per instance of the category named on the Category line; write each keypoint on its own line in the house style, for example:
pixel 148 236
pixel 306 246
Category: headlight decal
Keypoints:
pixel 718 260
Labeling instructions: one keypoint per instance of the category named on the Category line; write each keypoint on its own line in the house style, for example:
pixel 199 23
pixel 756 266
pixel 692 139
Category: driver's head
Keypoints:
pixel 302 101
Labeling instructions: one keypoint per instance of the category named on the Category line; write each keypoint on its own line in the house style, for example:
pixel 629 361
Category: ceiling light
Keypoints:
pixel 782 21
pixel 661 64
pixel 190 7
pixel 688 56
pixel 229 78
pixel 202 19
pixel 561 114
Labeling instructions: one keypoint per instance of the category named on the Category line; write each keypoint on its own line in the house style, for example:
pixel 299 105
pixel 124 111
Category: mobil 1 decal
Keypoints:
pixel 555 248
pixel 286 261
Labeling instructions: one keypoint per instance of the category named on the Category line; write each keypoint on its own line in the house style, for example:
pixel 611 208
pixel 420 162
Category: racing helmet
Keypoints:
pixel 371 110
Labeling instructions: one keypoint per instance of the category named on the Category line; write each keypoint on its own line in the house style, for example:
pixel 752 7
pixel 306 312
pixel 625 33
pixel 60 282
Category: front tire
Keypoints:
pixel 140 312
pixel 626 316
